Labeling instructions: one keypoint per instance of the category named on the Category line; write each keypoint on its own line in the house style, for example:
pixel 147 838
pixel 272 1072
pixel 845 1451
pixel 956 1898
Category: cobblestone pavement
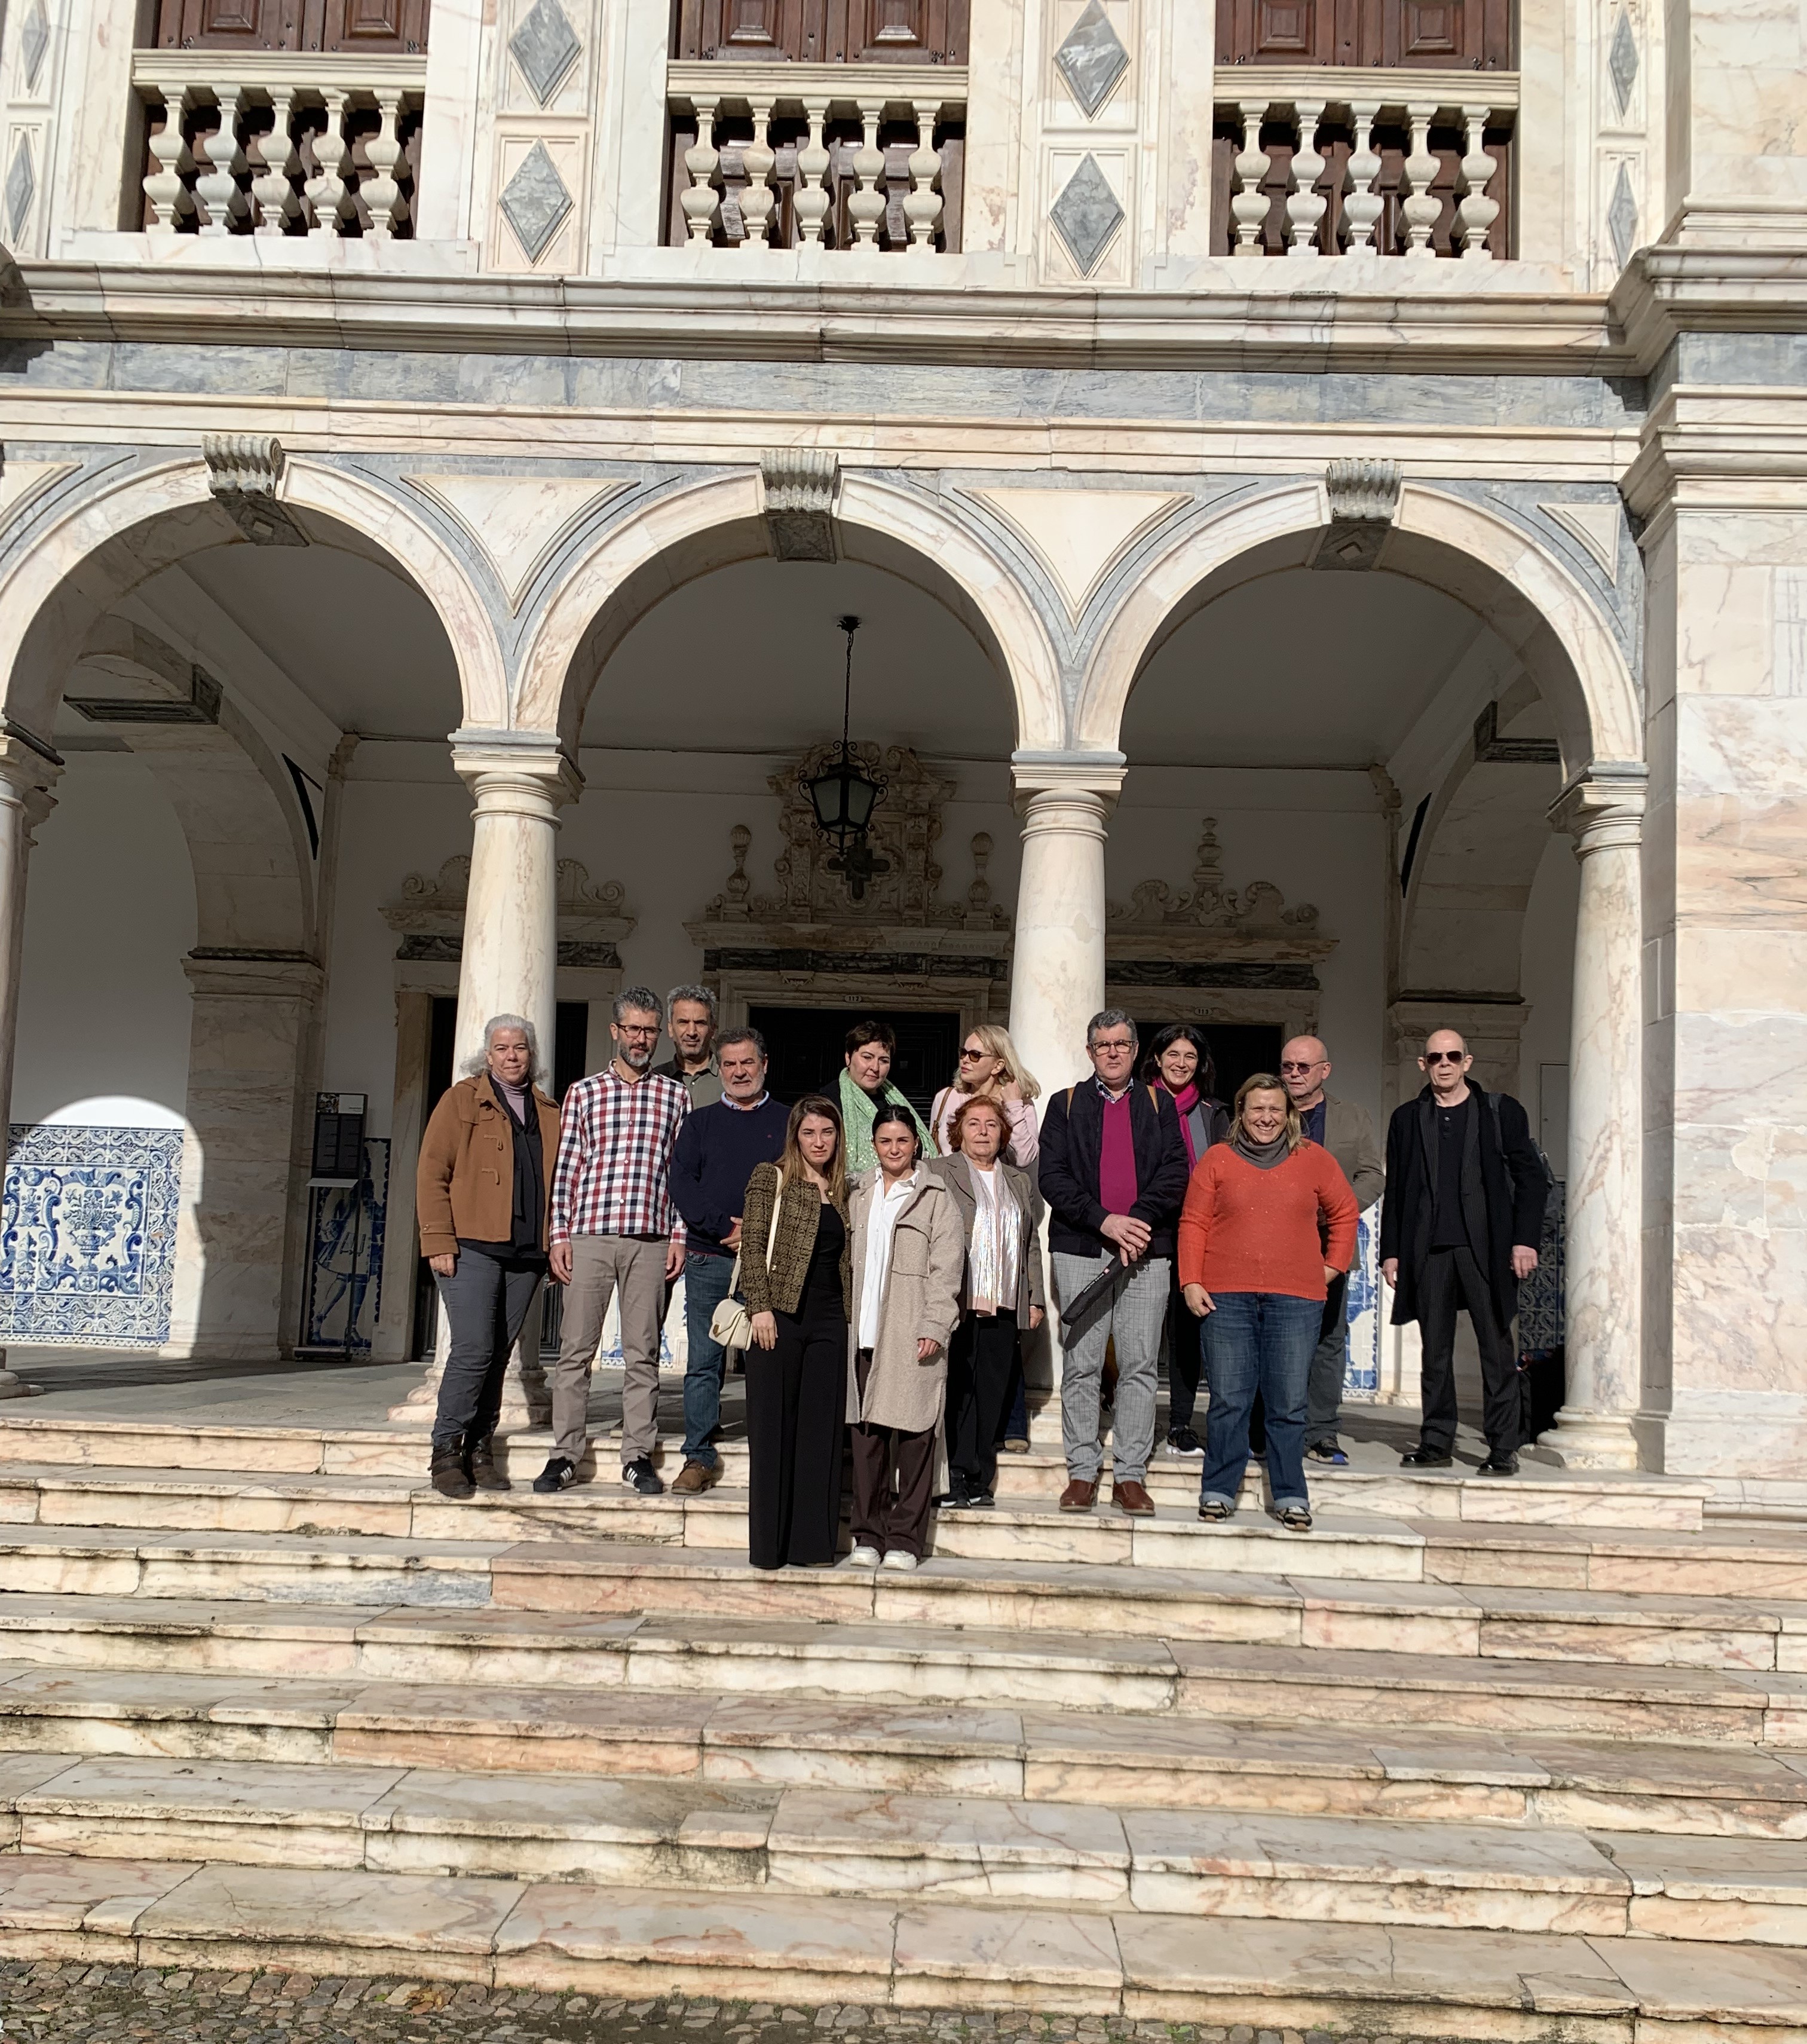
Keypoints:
pixel 52 2004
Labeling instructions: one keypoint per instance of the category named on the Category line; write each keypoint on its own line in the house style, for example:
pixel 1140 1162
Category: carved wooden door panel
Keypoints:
pixel 823 31
pixel 391 26
pixel 1435 35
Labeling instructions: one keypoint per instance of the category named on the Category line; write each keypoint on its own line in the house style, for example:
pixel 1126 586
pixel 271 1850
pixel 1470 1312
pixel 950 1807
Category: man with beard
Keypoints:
pixel 615 1230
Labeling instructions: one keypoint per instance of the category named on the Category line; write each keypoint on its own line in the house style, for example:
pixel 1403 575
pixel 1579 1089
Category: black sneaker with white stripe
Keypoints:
pixel 640 1475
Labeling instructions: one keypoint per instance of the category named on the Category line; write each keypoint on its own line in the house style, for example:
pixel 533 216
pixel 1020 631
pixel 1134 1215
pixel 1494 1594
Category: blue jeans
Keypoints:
pixel 1257 1341
pixel 705 1287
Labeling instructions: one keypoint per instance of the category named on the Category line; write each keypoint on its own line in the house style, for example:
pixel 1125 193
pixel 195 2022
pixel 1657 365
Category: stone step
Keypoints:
pixel 1541 1495
pixel 1726 1561
pixel 589 1578
pixel 1173 1762
pixel 911 1662
pixel 838 1843
pixel 1406 1980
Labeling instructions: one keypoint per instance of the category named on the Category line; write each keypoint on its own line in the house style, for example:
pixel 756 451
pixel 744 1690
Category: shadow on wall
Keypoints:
pixel 88 1219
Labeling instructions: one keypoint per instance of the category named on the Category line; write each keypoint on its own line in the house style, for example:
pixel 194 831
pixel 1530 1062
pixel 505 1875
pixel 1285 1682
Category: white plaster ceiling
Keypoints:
pixel 748 659
pixel 1298 668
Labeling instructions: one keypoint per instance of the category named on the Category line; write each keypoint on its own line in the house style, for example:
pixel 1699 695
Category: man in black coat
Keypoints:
pixel 1113 1171
pixel 1463 1211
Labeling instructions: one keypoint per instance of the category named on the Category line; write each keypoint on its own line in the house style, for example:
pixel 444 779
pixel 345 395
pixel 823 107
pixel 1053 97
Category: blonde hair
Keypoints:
pixel 997 1044
pixel 1267 1082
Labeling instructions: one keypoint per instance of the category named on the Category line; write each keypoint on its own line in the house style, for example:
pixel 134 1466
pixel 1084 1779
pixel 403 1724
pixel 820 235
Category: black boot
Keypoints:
pixel 484 1473
pixel 448 1475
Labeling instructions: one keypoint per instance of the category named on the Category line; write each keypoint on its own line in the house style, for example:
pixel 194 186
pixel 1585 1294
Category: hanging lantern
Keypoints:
pixel 843 795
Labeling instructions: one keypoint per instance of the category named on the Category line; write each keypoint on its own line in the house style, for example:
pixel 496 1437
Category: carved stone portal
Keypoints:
pixel 429 916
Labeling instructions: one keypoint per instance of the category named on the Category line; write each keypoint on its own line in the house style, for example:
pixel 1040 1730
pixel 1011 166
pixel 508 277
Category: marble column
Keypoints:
pixel 508 965
pixel 1057 966
pixel 1603 1270
pixel 26 778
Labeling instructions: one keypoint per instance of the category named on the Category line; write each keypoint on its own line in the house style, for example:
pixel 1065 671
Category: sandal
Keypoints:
pixel 1295 1518
pixel 1215 1511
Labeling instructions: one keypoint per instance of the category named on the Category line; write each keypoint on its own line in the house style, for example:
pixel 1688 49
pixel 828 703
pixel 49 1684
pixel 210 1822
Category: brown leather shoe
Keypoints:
pixel 1132 1497
pixel 693 1477
pixel 1079 1497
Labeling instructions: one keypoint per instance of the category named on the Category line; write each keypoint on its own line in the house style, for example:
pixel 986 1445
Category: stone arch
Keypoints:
pixel 106 544
pixel 1471 553
pixel 693 531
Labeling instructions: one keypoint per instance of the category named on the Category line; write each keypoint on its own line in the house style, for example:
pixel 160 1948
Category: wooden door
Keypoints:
pixel 823 31
pixel 1430 35
pixel 394 27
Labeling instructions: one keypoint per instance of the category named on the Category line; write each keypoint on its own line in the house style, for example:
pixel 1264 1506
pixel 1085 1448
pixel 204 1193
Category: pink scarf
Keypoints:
pixel 1185 1100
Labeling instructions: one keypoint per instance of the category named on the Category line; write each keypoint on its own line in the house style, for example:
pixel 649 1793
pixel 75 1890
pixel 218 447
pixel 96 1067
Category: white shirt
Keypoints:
pixel 881 1222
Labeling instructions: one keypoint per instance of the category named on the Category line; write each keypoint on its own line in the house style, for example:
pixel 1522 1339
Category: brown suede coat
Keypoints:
pixel 466 1181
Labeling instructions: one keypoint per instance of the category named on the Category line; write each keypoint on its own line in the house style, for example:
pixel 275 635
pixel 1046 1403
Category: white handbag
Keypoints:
pixel 730 1324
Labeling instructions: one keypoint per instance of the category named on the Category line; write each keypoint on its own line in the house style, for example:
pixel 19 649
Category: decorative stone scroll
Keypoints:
pixel 243 470
pixel 800 502
pixel 1213 935
pixel 1365 501
pixel 429 916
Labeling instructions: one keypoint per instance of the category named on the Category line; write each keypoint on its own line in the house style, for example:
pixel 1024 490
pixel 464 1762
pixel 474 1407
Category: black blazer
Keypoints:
pixel 1503 1187
pixel 1073 1142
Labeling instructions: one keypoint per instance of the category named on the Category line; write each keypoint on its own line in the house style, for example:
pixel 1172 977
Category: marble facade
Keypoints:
pixel 1074 434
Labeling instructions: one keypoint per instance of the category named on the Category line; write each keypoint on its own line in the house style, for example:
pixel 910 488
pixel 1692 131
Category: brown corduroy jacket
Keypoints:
pixel 465 1185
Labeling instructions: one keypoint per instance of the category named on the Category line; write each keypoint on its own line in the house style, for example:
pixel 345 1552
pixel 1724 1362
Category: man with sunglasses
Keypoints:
pixel 1465 1202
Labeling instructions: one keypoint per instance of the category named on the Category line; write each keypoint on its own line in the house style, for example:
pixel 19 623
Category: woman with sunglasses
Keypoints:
pixel 990 1069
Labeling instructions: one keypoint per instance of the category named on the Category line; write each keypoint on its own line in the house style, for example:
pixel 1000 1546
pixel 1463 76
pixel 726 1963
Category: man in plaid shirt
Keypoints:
pixel 615 1230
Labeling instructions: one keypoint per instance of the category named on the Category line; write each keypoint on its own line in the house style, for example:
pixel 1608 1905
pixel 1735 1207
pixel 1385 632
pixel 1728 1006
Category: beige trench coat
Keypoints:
pixel 921 1299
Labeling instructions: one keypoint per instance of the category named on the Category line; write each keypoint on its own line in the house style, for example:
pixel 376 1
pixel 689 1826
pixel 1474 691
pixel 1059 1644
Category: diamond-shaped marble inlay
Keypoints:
pixel 1091 60
pixel 34 39
pixel 21 189
pixel 1621 217
pixel 545 46
pixel 1086 215
pixel 1621 62
pixel 535 201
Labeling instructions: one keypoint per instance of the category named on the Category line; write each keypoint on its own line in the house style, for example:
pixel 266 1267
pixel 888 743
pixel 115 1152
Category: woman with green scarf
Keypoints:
pixel 871 1046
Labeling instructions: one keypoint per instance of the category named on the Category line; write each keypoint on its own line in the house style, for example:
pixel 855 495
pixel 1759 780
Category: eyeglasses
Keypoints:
pixel 637 1028
pixel 1287 1065
pixel 1444 1057
pixel 1114 1043
pixel 968 1056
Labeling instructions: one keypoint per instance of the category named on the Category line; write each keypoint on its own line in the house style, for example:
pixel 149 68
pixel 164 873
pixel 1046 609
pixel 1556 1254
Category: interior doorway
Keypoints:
pixel 808 1048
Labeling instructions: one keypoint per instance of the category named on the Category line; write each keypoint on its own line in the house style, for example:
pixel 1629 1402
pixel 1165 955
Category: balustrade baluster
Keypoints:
pixel 1363 207
pixel 326 189
pixel 701 160
pixel 380 192
pixel 217 188
pixel 812 201
pixel 1477 212
pixel 923 208
pixel 1249 207
pixel 1421 166
pixel 757 159
pixel 163 187
pixel 1305 203
pixel 270 187
pixel 866 207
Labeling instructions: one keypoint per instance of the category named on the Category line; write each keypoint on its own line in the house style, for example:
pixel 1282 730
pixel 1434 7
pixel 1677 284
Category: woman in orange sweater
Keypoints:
pixel 1268 1219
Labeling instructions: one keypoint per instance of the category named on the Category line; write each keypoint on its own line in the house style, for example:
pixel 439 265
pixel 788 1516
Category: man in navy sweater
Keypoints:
pixel 716 1150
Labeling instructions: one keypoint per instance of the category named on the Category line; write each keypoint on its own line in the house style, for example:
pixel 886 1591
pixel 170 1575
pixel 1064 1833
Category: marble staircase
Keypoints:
pixel 1523 1761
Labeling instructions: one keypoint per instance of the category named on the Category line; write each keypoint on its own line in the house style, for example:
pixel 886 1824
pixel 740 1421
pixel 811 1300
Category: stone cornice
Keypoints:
pixel 1667 292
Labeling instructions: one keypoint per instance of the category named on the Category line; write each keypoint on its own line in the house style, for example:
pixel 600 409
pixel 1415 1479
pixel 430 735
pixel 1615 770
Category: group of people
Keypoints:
pixel 879 1272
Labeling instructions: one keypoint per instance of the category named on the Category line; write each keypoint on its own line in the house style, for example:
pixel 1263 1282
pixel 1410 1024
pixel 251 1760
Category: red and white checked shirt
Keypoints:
pixel 615 1144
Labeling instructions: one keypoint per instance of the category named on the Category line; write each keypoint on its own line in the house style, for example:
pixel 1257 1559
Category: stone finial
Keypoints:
pixel 243 470
pixel 1363 492
pixel 799 501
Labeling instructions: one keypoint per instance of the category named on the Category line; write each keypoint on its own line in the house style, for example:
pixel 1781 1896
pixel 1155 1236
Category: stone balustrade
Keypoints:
pixel 1311 162
pixel 322 146
pixel 836 155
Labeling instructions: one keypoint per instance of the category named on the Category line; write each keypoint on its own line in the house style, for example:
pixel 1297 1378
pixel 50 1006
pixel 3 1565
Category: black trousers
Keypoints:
pixel 486 1299
pixel 1329 1365
pixel 1185 1358
pixel 980 1361
pixel 1451 1281
pixel 797 1415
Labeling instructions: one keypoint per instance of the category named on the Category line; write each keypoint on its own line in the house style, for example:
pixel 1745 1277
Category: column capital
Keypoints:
pixel 247 973
pixel 1087 782
pixel 28 771
pixel 1604 810
pixel 513 769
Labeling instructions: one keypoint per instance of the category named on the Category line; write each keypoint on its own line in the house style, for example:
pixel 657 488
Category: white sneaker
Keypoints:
pixel 863 1558
pixel 899 1557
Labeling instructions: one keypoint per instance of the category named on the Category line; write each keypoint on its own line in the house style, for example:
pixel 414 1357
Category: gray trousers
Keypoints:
pixel 1132 1319
pixel 1329 1366
pixel 601 1265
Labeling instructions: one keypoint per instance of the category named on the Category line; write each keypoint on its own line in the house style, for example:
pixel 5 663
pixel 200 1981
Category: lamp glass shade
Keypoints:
pixel 862 796
pixel 842 798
